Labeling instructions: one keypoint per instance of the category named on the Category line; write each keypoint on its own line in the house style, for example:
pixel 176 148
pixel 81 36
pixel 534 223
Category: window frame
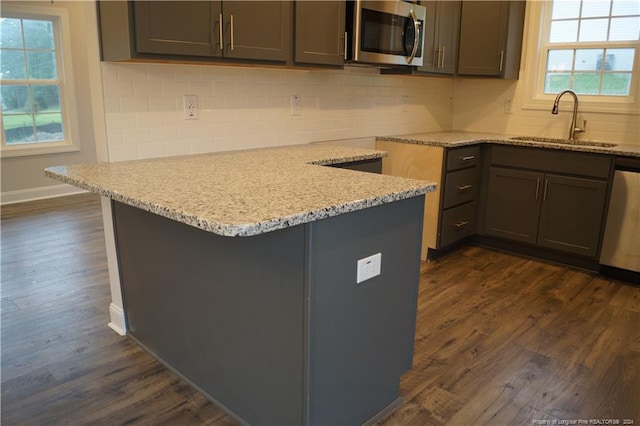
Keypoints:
pixel 65 79
pixel 539 25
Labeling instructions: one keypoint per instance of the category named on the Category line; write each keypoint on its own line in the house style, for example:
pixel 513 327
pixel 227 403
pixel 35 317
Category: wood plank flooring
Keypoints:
pixel 500 339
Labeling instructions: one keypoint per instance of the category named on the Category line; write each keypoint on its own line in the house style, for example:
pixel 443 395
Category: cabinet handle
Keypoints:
pixel 501 59
pixel 537 188
pixel 461 224
pixel 221 37
pixel 442 60
pixel 436 57
pixel 231 32
pixel 544 195
pixel 345 45
pixel 468 158
pixel 464 187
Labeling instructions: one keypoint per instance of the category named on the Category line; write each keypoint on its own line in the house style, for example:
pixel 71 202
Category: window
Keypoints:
pixel 590 47
pixel 33 90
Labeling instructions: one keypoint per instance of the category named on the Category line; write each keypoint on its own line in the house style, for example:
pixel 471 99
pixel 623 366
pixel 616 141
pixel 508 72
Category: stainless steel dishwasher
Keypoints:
pixel 620 255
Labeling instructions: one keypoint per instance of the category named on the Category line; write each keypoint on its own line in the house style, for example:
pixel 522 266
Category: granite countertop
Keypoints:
pixel 456 139
pixel 245 193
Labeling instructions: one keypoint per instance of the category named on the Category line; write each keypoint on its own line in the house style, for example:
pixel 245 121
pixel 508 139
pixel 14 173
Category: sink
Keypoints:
pixel 564 141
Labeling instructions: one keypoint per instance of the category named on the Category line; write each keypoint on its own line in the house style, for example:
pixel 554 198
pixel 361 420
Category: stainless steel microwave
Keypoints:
pixel 385 32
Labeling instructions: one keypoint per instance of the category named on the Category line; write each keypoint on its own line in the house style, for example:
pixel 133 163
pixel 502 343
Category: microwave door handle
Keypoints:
pixel 416 37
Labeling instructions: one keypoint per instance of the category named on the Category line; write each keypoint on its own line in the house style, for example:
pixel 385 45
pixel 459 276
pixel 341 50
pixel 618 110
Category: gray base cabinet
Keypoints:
pixel 551 199
pixel 274 327
pixel 461 179
pixel 513 204
pixel 572 214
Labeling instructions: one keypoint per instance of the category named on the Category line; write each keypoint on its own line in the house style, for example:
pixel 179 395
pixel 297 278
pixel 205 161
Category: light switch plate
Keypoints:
pixel 369 267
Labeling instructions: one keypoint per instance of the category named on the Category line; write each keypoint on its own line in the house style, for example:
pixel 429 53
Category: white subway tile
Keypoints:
pixel 134 104
pixel 200 88
pixel 131 72
pixel 120 120
pixel 190 132
pixel 161 72
pixel 161 103
pixel 178 147
pixel 123 152
pixel 147 88
pixel 152 150
pixel 164 134
pixel 149 119
pixel 175 88
pixel 188 72
pixel 136 136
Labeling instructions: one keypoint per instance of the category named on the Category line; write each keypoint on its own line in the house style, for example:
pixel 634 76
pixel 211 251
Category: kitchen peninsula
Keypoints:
pixel 239 271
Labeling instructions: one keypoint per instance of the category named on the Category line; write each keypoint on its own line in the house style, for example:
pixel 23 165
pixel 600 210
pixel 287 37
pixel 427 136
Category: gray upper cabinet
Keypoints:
pixel 176 27
pixel 491 38
pixel 319 32
pixel 254 30
pixel 257 29
pixel 441 37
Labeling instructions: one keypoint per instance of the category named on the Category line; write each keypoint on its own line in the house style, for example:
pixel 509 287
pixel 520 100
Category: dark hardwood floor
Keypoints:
pixel 500 339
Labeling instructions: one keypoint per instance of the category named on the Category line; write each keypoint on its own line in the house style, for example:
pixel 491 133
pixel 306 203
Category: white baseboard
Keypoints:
pixel 117 323
pixel 32 194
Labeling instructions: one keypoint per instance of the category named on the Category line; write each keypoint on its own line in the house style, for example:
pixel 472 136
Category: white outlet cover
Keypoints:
pixel 368 267
pixel 190 107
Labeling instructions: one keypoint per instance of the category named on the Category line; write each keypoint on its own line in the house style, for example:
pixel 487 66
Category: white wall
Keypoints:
pixel 23 177
pixel 479 103
pixel 479 107
pixel 250 107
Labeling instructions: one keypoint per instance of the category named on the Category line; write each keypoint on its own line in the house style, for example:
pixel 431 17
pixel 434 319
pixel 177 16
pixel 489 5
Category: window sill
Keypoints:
pixel 39 149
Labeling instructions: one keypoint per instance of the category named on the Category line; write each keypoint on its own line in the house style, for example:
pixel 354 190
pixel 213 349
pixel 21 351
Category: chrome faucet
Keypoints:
pixel 573 129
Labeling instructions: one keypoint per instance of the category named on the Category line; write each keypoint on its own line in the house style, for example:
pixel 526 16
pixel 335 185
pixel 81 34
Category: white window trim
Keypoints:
pixel 534 71
pixel 67 89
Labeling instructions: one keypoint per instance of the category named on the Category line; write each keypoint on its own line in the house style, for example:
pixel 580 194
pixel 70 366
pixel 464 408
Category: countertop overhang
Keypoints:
pixel 245 193
pixel 456 139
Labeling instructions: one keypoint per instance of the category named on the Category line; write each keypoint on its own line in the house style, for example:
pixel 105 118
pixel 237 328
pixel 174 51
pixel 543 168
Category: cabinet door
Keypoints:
pixel 513 204
pixel 441 37
pixel 572 214
pixel 429 61
pixel 319 32
pixel 176 27
pixel 483 31
pixel 447 30
pixel 257 30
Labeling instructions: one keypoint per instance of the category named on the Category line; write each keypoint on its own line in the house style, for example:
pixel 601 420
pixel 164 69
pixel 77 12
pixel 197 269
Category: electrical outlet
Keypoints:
pixel 508 106
pixel 368 267
pixel 296 105
pixel 190 107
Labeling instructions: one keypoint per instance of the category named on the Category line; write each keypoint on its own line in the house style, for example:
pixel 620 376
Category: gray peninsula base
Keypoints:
pixel 274 327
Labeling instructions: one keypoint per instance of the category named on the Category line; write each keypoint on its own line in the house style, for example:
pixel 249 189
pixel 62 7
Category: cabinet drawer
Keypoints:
pixel 460 158
pixel 458 223
pixel 460 187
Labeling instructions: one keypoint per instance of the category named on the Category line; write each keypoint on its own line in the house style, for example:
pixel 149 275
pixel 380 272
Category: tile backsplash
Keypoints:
pixel 243 108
